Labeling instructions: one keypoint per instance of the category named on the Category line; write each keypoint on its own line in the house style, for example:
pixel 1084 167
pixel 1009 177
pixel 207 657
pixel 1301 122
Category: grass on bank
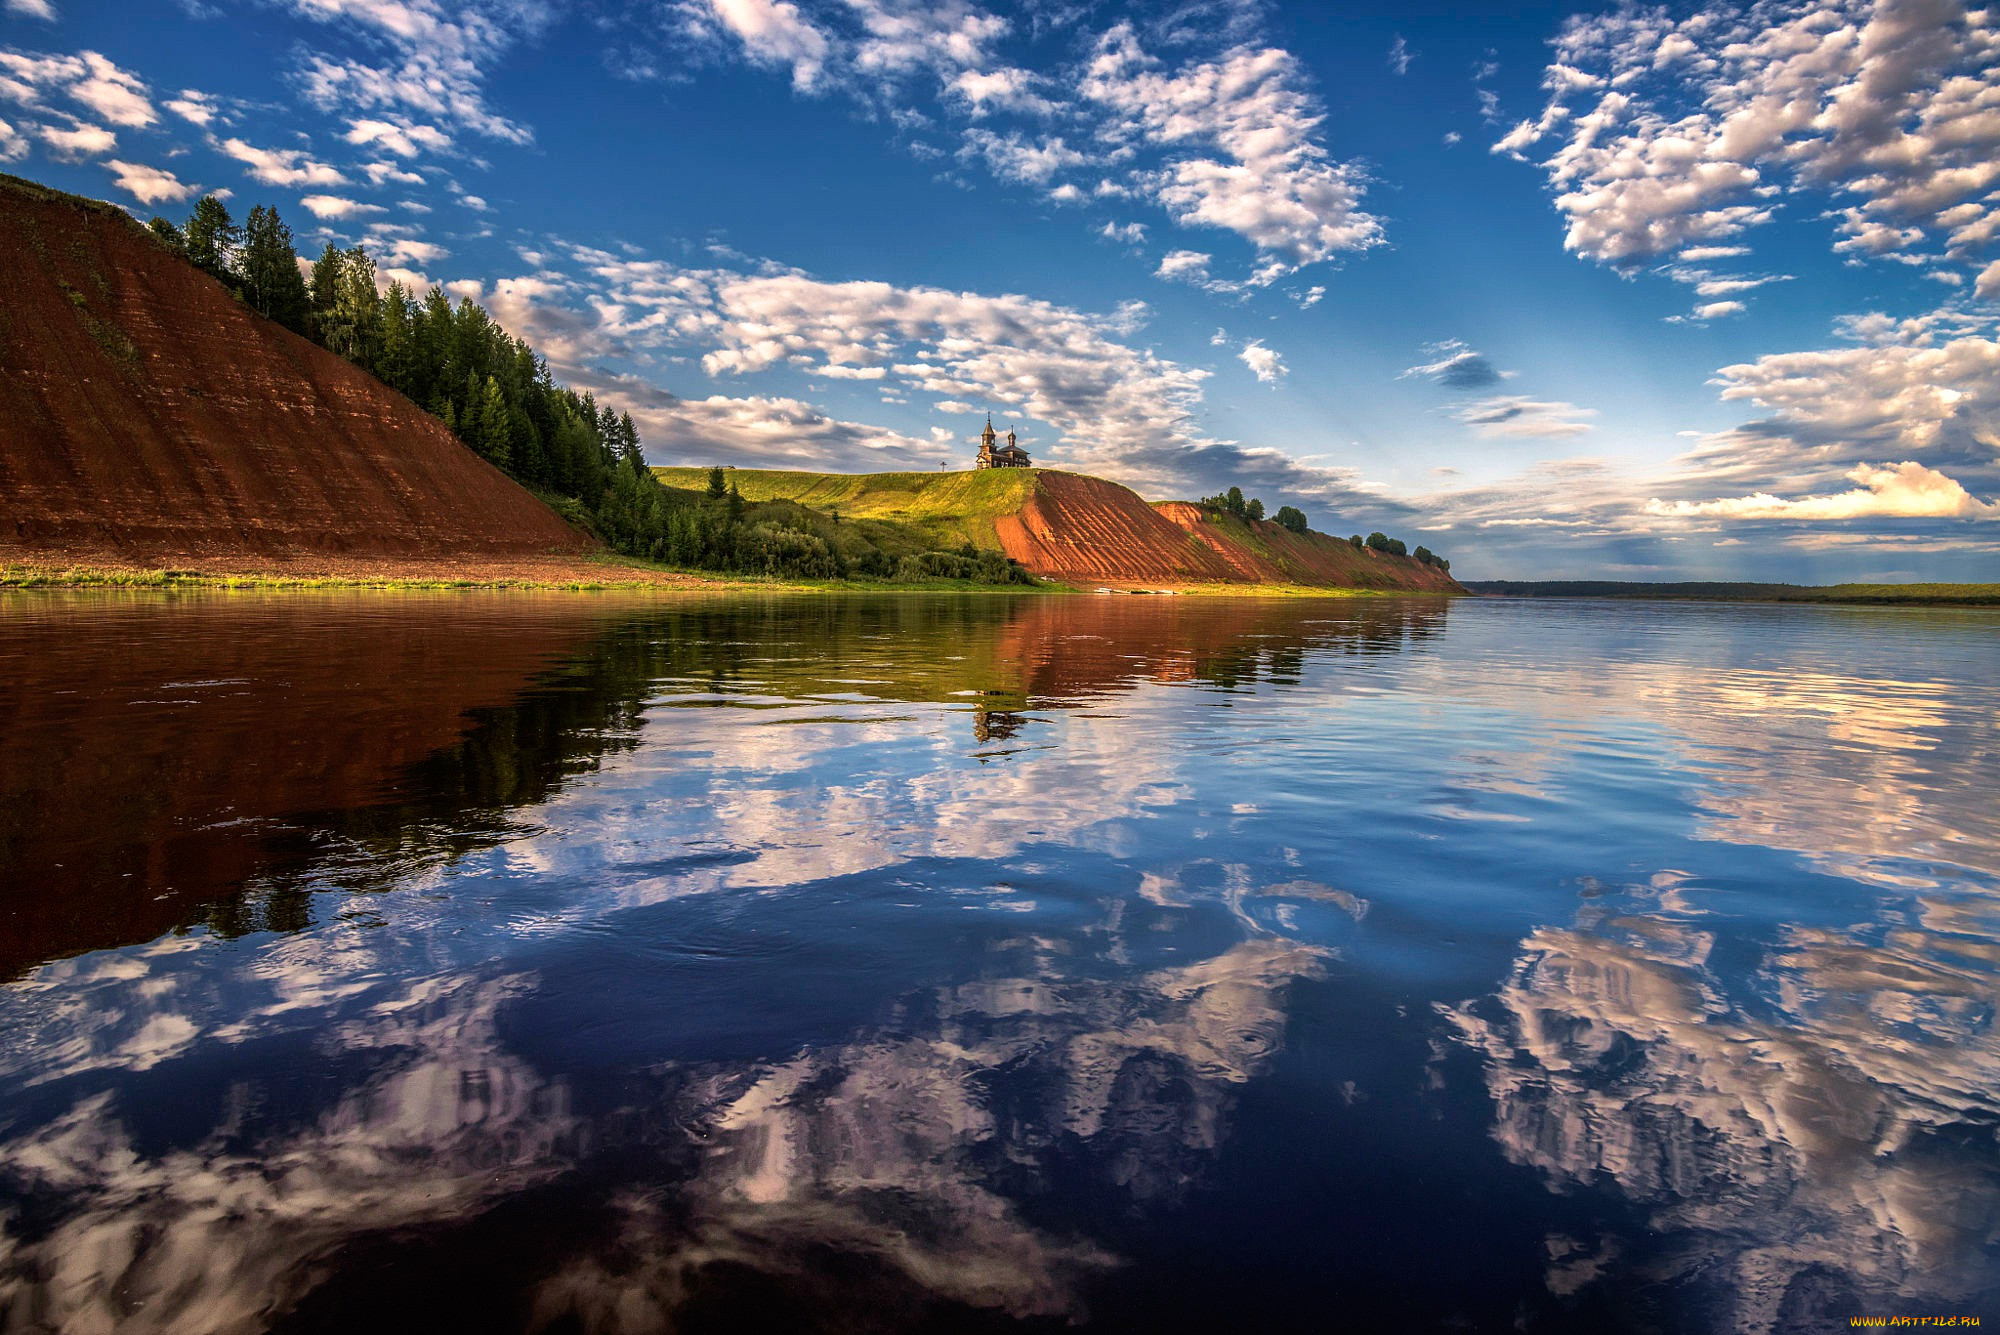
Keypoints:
pixel 83 577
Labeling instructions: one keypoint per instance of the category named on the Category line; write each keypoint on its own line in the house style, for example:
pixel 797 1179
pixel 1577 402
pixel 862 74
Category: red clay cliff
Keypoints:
pixel 149 418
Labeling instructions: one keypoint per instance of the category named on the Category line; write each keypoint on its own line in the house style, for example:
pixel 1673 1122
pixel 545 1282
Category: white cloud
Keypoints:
pixel 150 185
pixel 1716 310
pixel 1274 183
pixel 1264 363
pixel 1400 55
pixel 1516 417
pixel 282 166
pixel 1132 233
pixel 1904 490
pixel 382 173
pixel 775 32
pixel 1015 158
pixel 436 58
pixel 406 250
pixel 32 9
pixel 334 206
pixel 82 141
pixel 193 106
pixel 1183 265
pixel 401 138
pixel 1989 281
pixel 1678 134
pixel 1007 89
pixel 13 144
pixel 113 94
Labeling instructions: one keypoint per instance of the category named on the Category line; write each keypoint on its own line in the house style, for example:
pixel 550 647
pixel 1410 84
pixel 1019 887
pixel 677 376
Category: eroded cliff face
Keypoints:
pixel 1084 530
pixel 146 416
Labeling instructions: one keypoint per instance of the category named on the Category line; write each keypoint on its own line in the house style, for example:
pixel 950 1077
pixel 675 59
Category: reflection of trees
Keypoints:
pixel 298 744
pixel 1830 1117
pixel 895 1171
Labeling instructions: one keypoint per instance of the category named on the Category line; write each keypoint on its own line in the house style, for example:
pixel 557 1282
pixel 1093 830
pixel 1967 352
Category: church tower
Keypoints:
pixel 992 454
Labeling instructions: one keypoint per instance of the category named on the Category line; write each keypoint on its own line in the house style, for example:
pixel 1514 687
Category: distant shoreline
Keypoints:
pixel 1906 595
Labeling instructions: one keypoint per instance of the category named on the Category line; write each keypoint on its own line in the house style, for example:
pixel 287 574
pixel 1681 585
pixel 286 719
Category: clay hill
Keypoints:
pixel 148 418
pixel 1085 530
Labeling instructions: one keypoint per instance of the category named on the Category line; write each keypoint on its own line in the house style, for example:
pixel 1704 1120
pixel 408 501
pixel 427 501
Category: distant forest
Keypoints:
pixel 495 393
pixel 1970 594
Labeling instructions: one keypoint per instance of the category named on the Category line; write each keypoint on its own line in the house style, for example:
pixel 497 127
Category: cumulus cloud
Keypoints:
pixel 1680 134
pixel 1226 138
pixel 1456 366
pixel 282 166
pixel 1272 181
pixel 1989 281
pixel 335 206
pixel 13 144
pixel 193 106
pixel 774 32
pixel 1183 265
pixel 1020 159
pixel 1904 490
pixel 87 78
pixel 79 142
pixel 1264 363
pixel 150 185
pixel 402 138
pixel 1516 417
pixel 420 58
pixel 1131 233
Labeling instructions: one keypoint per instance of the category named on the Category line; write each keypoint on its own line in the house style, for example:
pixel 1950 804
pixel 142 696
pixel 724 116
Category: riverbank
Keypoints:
pixel 604 574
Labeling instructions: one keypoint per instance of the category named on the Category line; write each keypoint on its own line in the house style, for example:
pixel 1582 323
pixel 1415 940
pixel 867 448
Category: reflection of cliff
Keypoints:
pixel 1829 1116
pixel 235 753
pixel 155 755
pixel 895 1171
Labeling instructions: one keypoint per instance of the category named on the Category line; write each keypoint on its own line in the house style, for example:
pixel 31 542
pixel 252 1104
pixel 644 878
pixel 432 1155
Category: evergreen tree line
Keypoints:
pixel 495 394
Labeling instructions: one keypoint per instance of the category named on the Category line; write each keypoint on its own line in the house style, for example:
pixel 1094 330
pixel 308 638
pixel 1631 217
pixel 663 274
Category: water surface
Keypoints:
pixel 581 963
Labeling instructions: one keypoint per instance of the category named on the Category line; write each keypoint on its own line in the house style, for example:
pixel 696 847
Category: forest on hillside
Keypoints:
pixel 496 395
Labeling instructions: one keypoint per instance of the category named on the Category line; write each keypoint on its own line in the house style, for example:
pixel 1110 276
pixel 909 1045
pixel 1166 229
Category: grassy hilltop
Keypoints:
pixel 943 509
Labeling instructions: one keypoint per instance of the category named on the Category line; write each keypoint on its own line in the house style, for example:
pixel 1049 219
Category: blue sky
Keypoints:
pixel 1609 292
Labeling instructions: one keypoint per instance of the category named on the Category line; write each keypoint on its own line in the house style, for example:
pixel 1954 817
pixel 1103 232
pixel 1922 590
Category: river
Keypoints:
pixel 511 961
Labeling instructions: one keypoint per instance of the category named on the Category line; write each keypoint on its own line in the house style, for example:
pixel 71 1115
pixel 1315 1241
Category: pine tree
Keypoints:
pixel 489 429
pixel 359 308
pixel 272 285
pixel 168 235
pixel 213 239
pixel 718 485
pixel 323 294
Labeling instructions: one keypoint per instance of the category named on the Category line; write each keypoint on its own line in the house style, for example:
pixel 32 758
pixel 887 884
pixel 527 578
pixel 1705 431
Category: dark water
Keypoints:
pixel 576 964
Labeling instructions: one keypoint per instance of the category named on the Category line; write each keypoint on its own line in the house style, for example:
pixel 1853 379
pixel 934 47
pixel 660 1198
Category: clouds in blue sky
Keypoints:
pixel 1720 298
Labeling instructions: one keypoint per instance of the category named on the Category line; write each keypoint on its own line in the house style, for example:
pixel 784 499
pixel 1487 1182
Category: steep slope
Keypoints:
pixel 146 416
pixel 1266 551
pixel 1084 530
